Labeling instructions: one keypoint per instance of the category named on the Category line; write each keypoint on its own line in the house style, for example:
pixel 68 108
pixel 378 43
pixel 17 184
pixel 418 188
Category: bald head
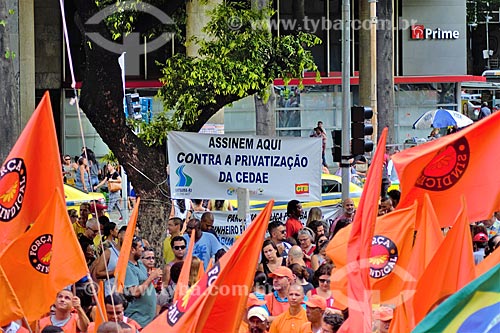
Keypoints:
pixel 109 327
pixel 295 253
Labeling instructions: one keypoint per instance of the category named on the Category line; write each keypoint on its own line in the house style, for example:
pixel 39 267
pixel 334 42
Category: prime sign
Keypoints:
pixel 418 31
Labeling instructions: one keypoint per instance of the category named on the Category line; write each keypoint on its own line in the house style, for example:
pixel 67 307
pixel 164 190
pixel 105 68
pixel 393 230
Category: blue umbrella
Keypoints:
pixel 441 118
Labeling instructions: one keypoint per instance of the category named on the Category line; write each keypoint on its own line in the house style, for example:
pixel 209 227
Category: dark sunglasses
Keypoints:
pixel 324 281
pixel 182 247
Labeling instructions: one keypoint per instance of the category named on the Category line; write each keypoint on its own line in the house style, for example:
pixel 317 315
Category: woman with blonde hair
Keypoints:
pixel 315 214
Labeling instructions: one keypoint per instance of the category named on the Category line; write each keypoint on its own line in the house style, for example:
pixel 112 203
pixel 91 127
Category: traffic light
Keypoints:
pixel 360 129
pixel 337 145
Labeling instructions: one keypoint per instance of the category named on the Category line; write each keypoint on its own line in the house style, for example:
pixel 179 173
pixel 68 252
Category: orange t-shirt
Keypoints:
pixel 286 323
pixel 306 328
pixel 69 327
pixel 275 307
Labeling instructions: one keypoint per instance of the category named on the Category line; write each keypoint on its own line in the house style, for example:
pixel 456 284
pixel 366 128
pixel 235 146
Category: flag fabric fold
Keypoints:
pixel 222 292
pixel 427 242
pixel 29 174
pixel 359 249
pixel 10 309
pixel 474 308
pixel 454 165
pixel 451 268
pixel 121 265
pixel 45 259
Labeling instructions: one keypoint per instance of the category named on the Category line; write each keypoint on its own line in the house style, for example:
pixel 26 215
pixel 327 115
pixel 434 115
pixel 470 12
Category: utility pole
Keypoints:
pixel 346 96
pixel 373 66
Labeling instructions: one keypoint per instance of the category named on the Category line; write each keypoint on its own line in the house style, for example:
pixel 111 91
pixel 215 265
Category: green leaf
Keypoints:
pixel 3 23
pixel 11 11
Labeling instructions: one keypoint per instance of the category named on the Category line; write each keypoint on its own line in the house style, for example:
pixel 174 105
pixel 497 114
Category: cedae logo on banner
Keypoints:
pixel 183 186
pixel 418 31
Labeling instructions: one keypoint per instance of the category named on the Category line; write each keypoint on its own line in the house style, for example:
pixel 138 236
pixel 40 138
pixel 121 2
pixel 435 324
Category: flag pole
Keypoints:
pixel 96 299
pixel 28 325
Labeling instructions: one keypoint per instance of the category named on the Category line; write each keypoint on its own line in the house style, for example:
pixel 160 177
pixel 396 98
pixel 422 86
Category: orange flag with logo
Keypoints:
pixel 427 242
pixel 451 268
pixel 390 253
pixel 10 309
pixel 359 247
pixel 45 259
pixel 222 292
pixel 183 282
pixel 29 174
pixel 121 265
pixel 463 163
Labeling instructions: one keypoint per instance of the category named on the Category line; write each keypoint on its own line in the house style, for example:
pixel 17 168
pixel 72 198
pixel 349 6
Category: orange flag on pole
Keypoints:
pixel 390 253
pixel 10 309
pixel 45 259
pixel 451 268
pixel 454 165
pixel 29 174
pixel 121 265
pixel 427 242
pixel 183 282
pixel 359 248
pixel 100 304
pixel 222 292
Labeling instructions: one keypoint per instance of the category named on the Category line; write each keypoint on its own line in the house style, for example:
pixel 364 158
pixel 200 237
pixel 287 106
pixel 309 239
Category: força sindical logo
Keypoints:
pixel 383 256
pixel 13 179
pixel 40 253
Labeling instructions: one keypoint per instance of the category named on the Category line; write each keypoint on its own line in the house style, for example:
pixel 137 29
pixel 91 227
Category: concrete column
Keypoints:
pixel 26 16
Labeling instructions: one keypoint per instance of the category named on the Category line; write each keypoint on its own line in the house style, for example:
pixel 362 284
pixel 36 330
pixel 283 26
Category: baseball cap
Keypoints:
pixel 97 206
pixel 480 237
pixel 282 271
pixel 316 301
pixel 383 313
pixel 254 301
pixel 258 312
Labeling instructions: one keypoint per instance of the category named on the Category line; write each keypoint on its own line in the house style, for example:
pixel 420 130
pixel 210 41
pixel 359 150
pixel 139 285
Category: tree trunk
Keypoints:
pixel 364 55
pixel 385 65
pixel 102 102
pixel 265 113
pixel 9 89
pixel 197 19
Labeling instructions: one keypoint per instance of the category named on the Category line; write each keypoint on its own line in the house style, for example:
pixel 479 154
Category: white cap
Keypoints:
pixel 258 312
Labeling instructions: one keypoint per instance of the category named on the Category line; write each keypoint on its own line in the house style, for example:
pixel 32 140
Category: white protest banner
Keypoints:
pixel 229 227
pixel 215 166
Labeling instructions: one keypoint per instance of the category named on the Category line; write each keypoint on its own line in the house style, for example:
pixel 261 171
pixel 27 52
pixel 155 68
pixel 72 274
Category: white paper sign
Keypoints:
pixel 229 227
pixel 214 166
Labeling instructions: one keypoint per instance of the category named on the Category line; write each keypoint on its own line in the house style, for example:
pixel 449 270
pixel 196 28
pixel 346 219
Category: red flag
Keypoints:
pixel 463 163
pixel 182 285
pixel 451 268
pixel 390 253
pixel 121 265
pixel 359 249
pixel 222 292
pixel 45 259
pixel 30 174
pixel 427 242
pixel 10 309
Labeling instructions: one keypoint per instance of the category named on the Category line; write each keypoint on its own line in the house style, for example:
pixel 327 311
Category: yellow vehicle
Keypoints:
pixel 75 197
pixel 331 193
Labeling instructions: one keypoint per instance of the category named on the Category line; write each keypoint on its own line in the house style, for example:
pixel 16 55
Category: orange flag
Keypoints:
pixel 359 247
pixel 45 259
pixel 100 304
pixel 463 163
pixel 29 174
pixel 201 271
pixel 427 242
pixel 451 268
pixel 121 265
pixel 10 309
pixel 390 253
pixel 222 292
pixel 183 282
